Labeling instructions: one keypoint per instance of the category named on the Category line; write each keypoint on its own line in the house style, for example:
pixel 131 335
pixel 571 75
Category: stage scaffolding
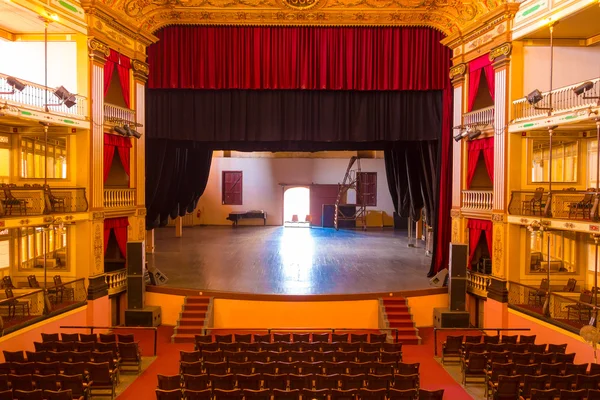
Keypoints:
pixel 356 212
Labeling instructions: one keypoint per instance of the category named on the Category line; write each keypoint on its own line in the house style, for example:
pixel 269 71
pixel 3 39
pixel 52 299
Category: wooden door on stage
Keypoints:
pixel 319 195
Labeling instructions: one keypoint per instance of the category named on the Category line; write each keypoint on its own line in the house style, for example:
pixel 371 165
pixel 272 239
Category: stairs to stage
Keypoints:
pixel 399 317
pixel 191 319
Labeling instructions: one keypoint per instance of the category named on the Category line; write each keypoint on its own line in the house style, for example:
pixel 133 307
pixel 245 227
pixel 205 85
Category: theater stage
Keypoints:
pixel 290 261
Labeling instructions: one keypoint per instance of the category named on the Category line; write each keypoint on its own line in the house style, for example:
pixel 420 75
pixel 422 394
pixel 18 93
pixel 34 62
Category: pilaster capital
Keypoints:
pixel 98 51
pixel 140 70
pixel 500 55
pixel 497 217
pixel 457 73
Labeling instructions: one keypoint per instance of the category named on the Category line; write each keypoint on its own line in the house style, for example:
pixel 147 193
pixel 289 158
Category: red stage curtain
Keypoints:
pixel 474 149
pixel 122 64
pixel 119 226
pixel 123 146
pixel 324 58
pixel 476 66
pixel 476 228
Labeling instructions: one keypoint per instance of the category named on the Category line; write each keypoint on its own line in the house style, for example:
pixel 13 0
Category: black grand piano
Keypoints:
pixel 236 216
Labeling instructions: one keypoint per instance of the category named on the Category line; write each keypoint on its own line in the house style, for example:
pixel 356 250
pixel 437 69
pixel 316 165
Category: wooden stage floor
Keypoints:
pixel 290 261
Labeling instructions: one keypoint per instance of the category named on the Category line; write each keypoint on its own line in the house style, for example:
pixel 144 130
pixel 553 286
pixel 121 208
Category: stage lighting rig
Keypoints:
pixel 16 85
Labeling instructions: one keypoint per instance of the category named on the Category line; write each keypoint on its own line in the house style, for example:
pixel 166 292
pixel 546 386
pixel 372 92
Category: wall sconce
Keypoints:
pixel 15 84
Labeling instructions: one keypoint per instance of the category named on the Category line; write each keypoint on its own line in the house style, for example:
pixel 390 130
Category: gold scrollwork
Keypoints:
pixel 98 248
pixel 500 51
pixel 98 215
pixel 141 212
pixel 140 67
pixel 301 4
pixel 498 251
pixel 98 46
pixel 454 213
pixel 458 70
pixel 497 217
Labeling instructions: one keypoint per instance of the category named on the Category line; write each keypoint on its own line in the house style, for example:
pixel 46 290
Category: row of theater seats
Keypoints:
pixel 294 356
pixel 298 346
pixel 293 337
pixel 39 394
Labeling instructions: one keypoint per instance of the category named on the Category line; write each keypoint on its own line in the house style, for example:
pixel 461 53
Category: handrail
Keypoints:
pixel 332 330
pixel 498 330
pixel 8 300
pixel 92 327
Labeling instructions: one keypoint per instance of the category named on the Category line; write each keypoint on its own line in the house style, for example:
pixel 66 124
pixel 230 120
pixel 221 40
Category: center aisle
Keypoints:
pixel 433 376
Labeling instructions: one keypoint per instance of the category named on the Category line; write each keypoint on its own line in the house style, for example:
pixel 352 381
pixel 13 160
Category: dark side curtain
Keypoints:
pixel 314 58
pixel 176 176
pixel 240 117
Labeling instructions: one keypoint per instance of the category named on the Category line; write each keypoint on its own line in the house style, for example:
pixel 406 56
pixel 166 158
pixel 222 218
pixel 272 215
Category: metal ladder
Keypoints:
pixel 350 182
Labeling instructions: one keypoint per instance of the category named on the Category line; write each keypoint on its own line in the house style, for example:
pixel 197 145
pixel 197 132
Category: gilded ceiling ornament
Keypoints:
pixel 98 46
pixel 458 70
pixel 502 50
pixel 301 4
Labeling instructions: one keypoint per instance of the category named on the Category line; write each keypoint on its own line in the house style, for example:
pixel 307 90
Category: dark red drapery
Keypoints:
pixel 122 64
pixel 119 227
pixel 123 146
pixel 208 57
pixel 476 228
pixel 475 148
pixel 476 66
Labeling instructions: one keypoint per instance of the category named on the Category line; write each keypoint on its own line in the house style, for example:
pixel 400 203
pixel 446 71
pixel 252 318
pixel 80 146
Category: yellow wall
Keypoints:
pixel 421 308
pixel 279 314
pixel 170 306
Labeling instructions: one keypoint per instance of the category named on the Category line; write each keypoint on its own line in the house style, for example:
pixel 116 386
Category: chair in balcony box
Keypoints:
pixel 583 207
pixel 33 282
pixel 10 202
pixel 534 205
pixel 7 283
pixel 53 203
pixel 570 286
pixel 62 292
pixel 581 309
pixel 13 304
pixel 537 295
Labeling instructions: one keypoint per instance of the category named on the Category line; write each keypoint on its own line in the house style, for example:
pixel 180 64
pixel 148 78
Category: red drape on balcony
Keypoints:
pixel 474 149
pixel 122 64
pixel 476 228
pixel 321 58
pixel 476 66
pixel 119 227
pixel 123 146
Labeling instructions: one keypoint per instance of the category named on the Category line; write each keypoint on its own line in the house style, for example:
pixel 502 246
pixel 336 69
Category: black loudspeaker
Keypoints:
pixel 136 286
pixel 327 215
pixel 157 278
pixel 347 210
pixel 148 316
pixel 459 257
pixel 444 318
pixel 457 292
pixel 136 258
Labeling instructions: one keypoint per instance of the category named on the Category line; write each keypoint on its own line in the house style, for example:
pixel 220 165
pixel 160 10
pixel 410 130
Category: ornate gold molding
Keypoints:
pixel 98 215
pixel 496 217
pixel 455 213
pixel 458 71
pixel 141 212
pixel 98 248
pixel 503 50
pixel 498 251
pixel 98 50
pixel 140 72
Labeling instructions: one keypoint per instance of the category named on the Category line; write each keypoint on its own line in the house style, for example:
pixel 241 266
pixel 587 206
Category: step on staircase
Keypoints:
pixel 191 319
pixel 399 317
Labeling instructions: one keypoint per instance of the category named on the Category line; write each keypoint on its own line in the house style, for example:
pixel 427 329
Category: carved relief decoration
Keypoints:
pixel 97 46
pixel 458 70
pixel 503 50
pixel 448 16
pixel 141 229
pixel 498 250
pixel 98 248
pixel 455 230
pixel 497 217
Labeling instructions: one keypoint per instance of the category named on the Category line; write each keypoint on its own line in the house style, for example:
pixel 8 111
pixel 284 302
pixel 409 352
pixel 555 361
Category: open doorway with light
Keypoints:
pixel 296 207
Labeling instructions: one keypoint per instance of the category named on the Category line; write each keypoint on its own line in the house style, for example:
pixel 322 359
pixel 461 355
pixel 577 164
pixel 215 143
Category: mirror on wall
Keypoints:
pixel 562 257
pixel 564 160
pixel 35 161
pixel 34 243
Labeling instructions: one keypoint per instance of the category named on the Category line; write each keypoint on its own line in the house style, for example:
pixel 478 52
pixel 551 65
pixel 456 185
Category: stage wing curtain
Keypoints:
pixel 476 228
pixel 476 67
pixel 239 119
pixel 175 179
pixel 323 58
pixel 474 149
pixel 119 227
pixel 122 64
pixel 123 146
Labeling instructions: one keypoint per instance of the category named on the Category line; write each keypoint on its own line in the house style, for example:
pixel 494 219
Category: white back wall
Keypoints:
pixel 571 65
pixel 262 189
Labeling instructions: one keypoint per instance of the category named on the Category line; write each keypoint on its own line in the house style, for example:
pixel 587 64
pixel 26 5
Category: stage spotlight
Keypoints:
pixel 66 97
pixel 132 132
pixel 120 130
pixel 584 87
pixel 474 133
pixel 534 97
pixel 15 84
pixel 461 135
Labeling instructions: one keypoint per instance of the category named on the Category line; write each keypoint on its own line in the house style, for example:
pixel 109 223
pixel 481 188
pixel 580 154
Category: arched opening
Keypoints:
pixel 296 207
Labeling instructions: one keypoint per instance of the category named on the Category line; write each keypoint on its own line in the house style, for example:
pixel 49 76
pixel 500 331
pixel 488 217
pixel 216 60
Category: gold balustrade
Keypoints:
pixel 119 198
pixel 116 281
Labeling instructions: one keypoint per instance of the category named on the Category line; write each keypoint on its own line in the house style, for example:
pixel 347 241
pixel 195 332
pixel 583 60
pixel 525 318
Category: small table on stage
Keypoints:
pixel 236 216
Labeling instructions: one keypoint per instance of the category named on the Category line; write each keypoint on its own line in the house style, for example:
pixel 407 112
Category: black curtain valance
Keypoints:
pixel 277 120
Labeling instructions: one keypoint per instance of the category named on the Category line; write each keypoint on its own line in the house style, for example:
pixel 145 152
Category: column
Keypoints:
pixel 457 75
pixel 498 291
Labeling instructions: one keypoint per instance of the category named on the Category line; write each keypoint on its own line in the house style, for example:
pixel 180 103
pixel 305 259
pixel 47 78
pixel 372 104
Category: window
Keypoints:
pixel 592 158
pixel 563 251
pixel 32 248
pixel 4 157
pixel 232 188
pixel 367 188
pixel 33 153
pixel 564 161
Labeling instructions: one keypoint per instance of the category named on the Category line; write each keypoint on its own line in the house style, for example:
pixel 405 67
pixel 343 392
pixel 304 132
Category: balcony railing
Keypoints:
pixel 119 198
pixel 37 200
pixel 563 100
pixel 39 304
pixel 562 311
pixel 478 200
pixel 112 113
pixel 477 283
pixel 563 204
pixel 483 116
pixel 116 281
pixel 34 96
